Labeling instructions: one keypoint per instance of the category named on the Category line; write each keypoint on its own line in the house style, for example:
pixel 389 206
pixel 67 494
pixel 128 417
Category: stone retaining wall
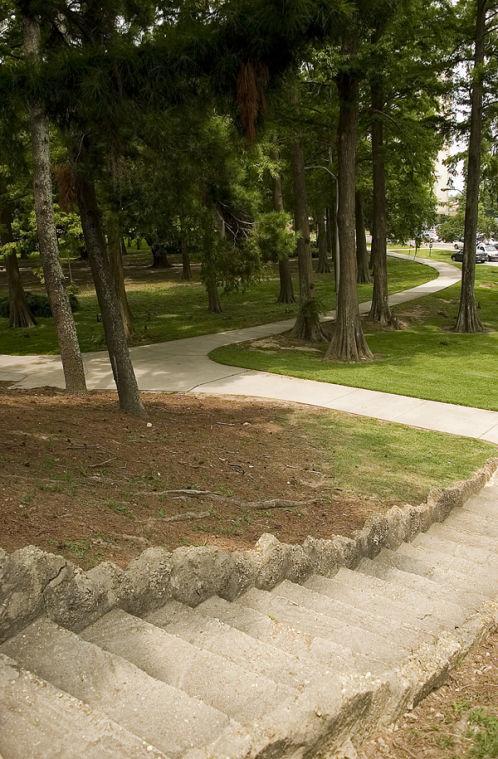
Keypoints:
pixel 33 582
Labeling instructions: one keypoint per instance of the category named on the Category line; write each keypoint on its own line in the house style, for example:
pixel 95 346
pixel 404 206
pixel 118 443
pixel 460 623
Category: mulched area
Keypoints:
pixel 458 721
pixel 79 478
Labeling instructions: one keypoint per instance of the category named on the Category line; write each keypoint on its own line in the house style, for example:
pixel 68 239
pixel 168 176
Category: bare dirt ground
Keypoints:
pixel 81 479
pixel 458 721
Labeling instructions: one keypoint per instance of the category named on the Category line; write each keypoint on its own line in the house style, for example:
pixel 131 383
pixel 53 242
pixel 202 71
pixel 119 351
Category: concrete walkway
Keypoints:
pixel 184 366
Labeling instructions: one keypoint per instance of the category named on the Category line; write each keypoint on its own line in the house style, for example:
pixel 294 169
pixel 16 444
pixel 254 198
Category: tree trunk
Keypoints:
pixel 286 291
pixel 186 268
pixel 117 345
pixel 323 266
pixel 348 342
pixel 72 363
pixel 116 264
pixel 19 312
pixel 380 311
pixel 209 263
pixel 160 257
pixel 468 318
pixel 363 273
pixel 307 326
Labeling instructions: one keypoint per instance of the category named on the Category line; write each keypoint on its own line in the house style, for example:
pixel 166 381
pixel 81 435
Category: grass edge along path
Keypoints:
pixel 425 359
pixel 171 309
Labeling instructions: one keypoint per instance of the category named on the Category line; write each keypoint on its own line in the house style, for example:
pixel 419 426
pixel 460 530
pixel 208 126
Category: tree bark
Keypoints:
pixel 307 326
pixel 323 266
pixel 363 272
pixel 117 345
pixel 286 291
pixel 19 312
pixel 186 267
pixel 116 265
pixel 160 258
pixel 209 263
pixel 468 318
pixel 380 310
pixel 72 363
pixel 348 341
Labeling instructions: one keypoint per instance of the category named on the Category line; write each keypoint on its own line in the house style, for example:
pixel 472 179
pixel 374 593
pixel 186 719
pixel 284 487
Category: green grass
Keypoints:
pixel 174 309
pixel 388 461
pixel 425 359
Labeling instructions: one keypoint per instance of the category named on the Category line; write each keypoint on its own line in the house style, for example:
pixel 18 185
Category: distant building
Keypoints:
pixel 442 181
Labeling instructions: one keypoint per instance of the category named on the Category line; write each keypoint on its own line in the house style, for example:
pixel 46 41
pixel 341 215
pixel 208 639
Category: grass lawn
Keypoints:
pixel 165 308
pixel 98 480
pixel 425 359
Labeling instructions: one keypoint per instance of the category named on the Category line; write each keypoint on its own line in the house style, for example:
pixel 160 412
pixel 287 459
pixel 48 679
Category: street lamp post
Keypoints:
pixel 337 266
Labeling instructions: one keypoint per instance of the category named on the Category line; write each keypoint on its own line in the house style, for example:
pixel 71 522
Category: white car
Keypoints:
pixel 489 249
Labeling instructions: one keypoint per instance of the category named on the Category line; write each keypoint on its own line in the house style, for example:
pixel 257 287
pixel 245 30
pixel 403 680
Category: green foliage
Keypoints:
pixel 38 304
pixel 275 235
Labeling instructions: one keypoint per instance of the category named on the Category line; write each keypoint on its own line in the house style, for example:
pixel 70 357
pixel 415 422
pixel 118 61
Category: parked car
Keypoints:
pixel 481 256
pixel 490 249
pixel 458 245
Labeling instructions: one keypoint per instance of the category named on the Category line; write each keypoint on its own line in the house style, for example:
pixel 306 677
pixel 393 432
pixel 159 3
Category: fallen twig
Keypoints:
pixel 187 516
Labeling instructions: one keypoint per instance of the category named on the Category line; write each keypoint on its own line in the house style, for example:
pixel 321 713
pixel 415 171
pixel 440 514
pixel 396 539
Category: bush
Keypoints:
pixel 38 304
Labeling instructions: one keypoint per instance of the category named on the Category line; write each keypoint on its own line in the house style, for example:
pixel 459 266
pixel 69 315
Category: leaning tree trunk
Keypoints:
pixel 186 267
pixel 323 266
pixel 116 264
pixel 468 319
pixel 72 363
pixel 380 311
pixel 19 312
pixel 117 345
pixel 363 272
pixel 286 291
pixel 348 341
pixel 307 326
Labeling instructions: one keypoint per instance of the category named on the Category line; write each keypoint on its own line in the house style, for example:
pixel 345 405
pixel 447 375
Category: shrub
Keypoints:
pixel 38 304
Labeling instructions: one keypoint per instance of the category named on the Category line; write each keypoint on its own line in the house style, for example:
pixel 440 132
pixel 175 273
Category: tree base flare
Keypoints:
pixel 382 316
pixel 348 345
pixel 308 327
pixel 468 320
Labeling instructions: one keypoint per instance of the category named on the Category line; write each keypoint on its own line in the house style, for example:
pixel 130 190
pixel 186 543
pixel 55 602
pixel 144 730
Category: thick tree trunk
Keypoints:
pixel 348 342
pixel 160 258
pixel 363 272
pixel 307 326
pixel 116 264
pixel 19 312
pixel 323 266
pixel 186 267
pixel 468 318
pixel 286 291
pixel 380 311
pixel 209 263
pixel 72 363
pixel 117 345
pixel 214 303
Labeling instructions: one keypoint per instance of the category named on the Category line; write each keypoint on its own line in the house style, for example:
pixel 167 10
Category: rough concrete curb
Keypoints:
pixel 33 582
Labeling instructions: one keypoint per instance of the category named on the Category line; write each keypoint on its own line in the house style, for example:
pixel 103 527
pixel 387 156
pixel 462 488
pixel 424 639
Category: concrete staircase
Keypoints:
pixel 281 673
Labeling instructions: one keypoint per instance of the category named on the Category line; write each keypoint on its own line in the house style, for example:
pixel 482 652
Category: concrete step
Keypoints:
pixel 474 522
pixel 40 721
pixel 450 578
pixel 480 557
pixel 464 537
pixel 433 590
pixel 247 652
pixel 386 599
pixel 438 564
pixel 358 640
pixel 242 694
pixel 332 657
pixel 407 638
pixel 113 685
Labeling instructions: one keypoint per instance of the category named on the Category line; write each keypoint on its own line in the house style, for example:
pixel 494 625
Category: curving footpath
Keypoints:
pixel 184 366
